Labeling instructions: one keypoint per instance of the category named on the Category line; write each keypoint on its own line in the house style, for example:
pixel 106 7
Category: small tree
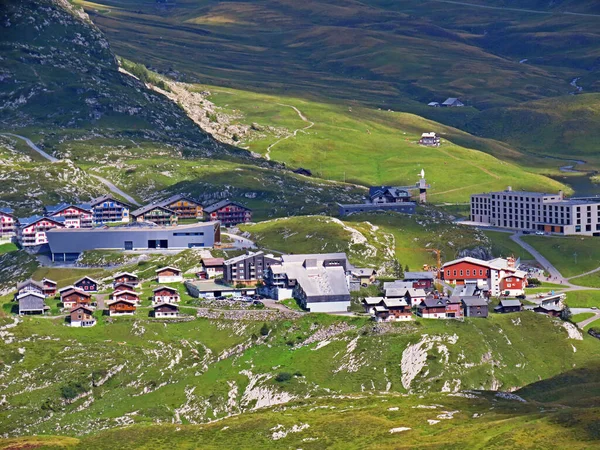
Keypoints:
pixel 406 269
pixel 264 330
pixel 565 314
pixel 397 269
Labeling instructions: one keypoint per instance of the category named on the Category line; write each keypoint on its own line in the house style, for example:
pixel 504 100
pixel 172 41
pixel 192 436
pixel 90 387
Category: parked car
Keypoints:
pixel 539 233
pixel 526 232
pixel 257 303
pixel 521 297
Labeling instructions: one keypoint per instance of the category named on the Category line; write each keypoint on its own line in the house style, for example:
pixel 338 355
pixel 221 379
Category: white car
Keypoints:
pixel 539 233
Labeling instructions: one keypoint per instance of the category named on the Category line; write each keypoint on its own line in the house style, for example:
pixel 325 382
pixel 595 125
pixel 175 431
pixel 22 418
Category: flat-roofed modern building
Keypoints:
pixel 535 211
pixel 68 245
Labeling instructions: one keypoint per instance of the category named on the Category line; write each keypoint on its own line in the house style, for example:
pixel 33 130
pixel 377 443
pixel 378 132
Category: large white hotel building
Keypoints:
pixel 535 211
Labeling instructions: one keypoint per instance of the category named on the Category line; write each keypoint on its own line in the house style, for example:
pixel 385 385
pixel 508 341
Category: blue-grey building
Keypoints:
pixel 67 244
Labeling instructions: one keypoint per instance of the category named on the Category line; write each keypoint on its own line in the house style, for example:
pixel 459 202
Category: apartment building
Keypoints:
pixel 534 211
pixel 8 223
pixel 247 269
pixel 107 209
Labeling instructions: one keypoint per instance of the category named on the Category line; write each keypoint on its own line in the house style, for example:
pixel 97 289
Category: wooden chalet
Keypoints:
pixel 508 306
pixel 156 214
pixel 474 306
pixel 430 139
pixel 364 276
pixel 49 287
pixel 420 280
pixel 126 277
pixel 388 309
pixel 82 316
pixel 121 307
pixel 73 297
pixel 184 207
pixel 87 284
pixel 127 295
pixel 124 287
pixel 165 294
pixel 169 275
pixel 166 310
pixel 32 303
pixel 440 308
pixel 212 267
pixel 228 213
pixel 30 286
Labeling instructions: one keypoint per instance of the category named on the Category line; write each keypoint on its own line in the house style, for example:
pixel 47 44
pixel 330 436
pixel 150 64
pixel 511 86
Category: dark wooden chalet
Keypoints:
pixel 49 287
pixel 509 306
pixel 166 310
pixel 126 295
pixel 72 297
pixel 82 316
pixel 165 294
pixel 121 307
pixel 86 284
pixel 126 277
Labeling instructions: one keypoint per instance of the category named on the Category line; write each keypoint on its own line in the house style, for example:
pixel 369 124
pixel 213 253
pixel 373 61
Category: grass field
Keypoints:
pixel 581 317
pixel 7 248
pixel 503 245
pixel 583 299
pixel 570 255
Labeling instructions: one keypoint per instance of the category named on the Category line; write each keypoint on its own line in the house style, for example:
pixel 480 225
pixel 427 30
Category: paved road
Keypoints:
pixel 586 322
pixel 553 271
pixel 116 190
pixel 108 184
pixel 33 147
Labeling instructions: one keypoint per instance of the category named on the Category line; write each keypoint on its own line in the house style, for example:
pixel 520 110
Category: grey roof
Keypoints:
pixel 172 289
pixel 8 211
pixel 54 209
pixel 32 302
pixel 26 221
pixel 474 301
pixel 451 100
pixel 431 302
pixel 171 305
pixel 372 300
pixel 241 258
pixel 150 207
pixel 509 303
pixel 104 198
pixel 74 289
pixel 549 307
pixel 28 282
pixel 419 276
pixel 393 191
pixel 176 198
pixel 86 278
pixel 216 206
pixel 362 272
pixel 88 309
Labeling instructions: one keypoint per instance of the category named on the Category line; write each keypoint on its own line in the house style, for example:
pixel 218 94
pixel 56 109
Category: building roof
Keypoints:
pixel 395 192
pixel 107 197
pixel 468 259
pixel 433 103
pixel 418 276
pixel 474 301
pixel 32 302
pixel 55 209
pixel 508 303
pixel 169 305
pixel 451 100
pixel 213 262
pixel 176 198
pixel 362 272
pixel 120 274
pixel 86 278
pixel 49 281
pixel 380 309
pixel 216 206
pixel 7 211
pixel 551 307
pixel 150 207
pixel 168 288
pixel 430 134
pixel 319 257
pixel 394 302
pixel 120 300
pixel 66 288
pixel 31 220
pixel 432 302
pixel 162 269
pixel 30 282
pixel 241 258
pixel 86 308
pixel 126 291
pixel 25 294
pixel 372 300
pixel 72 290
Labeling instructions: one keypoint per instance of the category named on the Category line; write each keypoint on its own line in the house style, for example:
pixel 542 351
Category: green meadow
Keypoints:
pixel 571 255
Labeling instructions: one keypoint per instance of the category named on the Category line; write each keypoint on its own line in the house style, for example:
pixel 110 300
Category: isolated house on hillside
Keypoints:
pixel 82 316
pixel 168 310
pixel 453 102
pixel 430 139
pixel 388 194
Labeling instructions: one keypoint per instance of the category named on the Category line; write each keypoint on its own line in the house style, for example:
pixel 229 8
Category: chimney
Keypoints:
pixel 511 261
pixel 509 189
pixel 561 194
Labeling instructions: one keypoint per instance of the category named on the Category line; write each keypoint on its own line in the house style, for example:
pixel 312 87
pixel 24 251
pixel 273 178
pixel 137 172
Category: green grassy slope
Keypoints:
pixel 502 245
pixel 140 371
pixel 372 147
pixel 477 423
pixel 571 255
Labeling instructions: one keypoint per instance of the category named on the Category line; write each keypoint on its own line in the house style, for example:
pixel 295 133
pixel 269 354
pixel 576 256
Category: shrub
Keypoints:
pixel 264 330
pixel 533 282
pixel 72 390
pixel 283 377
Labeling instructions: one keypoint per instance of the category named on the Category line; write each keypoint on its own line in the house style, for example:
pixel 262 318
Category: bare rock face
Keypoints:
pixel 477 252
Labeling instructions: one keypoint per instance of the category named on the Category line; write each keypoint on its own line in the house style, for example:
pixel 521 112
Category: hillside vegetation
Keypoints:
pixel 141 371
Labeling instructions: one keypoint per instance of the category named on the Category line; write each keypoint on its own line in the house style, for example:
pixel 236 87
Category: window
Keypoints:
pixel 468 272
pixel 461 273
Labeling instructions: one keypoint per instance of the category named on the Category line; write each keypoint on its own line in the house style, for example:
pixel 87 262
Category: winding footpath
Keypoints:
pixel 294 134
pixel 52 159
